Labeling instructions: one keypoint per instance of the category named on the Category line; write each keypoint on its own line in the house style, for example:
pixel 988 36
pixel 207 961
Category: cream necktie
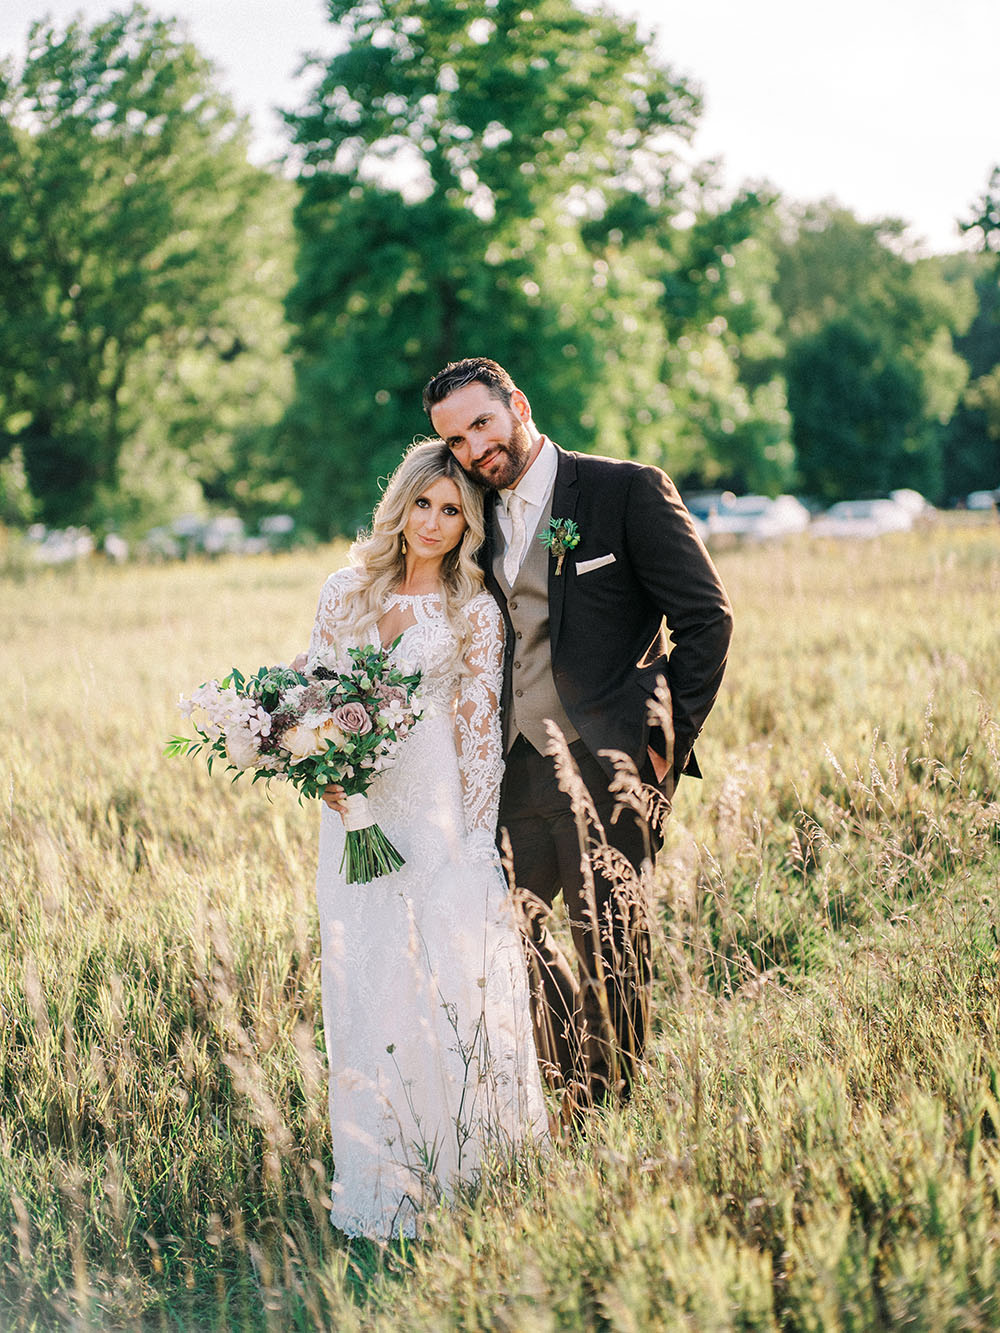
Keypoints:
pixel 515 547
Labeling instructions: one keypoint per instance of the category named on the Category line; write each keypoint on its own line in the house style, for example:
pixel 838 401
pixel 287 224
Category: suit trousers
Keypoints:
pixel 590 1011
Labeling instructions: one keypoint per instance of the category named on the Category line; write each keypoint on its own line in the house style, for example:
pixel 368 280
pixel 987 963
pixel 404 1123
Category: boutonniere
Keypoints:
pixel 560 536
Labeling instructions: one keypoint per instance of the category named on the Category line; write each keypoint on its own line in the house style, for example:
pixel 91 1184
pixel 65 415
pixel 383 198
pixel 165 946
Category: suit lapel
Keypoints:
pixel 565 495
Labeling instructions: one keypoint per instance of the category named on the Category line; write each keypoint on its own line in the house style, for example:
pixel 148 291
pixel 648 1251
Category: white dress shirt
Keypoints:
pixel 534 487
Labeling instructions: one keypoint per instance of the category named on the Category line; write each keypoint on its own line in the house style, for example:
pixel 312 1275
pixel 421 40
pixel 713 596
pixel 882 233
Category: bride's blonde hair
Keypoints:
pixel 378 557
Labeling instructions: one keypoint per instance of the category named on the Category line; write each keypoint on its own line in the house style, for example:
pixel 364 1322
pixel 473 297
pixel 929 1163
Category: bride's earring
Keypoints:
pixel 402 545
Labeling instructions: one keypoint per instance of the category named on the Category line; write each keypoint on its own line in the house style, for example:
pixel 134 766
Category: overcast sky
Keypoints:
pixel 889 106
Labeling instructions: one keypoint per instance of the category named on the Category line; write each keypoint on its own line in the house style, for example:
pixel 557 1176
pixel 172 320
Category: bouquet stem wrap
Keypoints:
pixel 368 853
pixel 358 815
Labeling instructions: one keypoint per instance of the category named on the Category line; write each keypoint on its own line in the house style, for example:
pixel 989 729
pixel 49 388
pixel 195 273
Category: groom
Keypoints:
pixel 585 649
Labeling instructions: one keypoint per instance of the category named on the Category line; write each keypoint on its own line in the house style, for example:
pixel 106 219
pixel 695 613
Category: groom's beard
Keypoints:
pixel 506 462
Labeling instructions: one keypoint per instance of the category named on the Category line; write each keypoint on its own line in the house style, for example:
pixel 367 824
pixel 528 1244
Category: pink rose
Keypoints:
pixel 352 718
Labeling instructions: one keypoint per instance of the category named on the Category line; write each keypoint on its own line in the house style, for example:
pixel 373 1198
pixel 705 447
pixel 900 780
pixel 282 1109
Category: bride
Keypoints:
pixel 425 996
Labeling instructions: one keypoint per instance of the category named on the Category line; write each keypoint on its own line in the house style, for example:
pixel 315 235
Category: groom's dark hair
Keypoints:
pixel 470 370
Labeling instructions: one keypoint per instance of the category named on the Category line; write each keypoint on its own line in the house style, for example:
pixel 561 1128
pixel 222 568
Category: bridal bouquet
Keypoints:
pixel 312 729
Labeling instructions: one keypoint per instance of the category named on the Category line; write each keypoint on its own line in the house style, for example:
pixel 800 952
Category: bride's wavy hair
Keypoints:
pixel 378 557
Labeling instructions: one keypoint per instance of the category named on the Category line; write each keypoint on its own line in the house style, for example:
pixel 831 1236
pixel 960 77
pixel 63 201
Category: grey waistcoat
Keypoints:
pixel 533 691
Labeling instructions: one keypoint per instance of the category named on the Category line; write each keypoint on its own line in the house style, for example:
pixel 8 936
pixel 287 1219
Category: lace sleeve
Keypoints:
pixel 477 720
pixel 330 599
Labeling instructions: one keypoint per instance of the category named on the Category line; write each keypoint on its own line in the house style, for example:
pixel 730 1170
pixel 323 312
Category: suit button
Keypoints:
pixel 517 634
pixel 517 666
pixel 519 693
pixel 512 605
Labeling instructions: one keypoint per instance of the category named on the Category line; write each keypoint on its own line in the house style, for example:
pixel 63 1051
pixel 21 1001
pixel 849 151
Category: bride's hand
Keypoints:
pixel 336 798
pixel 298 663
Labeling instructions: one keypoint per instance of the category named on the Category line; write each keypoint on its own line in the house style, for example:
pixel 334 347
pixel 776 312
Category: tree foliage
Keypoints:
pixel 985 217
pixel 873 377
pixel 127 226
pixel 857 409
pixel 724 350
pixel 474 179
pixel 974 434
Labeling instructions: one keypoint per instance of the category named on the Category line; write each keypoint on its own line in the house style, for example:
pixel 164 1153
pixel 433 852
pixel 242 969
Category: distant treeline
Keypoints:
pixel 182 330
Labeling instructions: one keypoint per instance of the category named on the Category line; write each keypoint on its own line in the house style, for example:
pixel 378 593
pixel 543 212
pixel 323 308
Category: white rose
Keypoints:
pixel 329 731
pixel 241 749
pixel 301 741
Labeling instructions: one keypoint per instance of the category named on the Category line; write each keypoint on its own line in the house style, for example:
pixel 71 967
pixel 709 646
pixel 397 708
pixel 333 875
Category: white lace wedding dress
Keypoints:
pixel 425 995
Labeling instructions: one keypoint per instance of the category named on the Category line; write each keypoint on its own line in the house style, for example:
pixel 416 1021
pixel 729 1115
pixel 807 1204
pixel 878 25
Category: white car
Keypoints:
pixel 913 502
pixel 59 546
pixel 757 517
pixel 862 518
pixel 224 534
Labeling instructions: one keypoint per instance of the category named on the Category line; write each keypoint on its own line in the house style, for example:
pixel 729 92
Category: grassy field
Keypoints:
pixel 816 1144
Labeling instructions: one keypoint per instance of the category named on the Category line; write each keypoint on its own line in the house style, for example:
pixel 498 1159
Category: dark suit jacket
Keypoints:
pixel 606 625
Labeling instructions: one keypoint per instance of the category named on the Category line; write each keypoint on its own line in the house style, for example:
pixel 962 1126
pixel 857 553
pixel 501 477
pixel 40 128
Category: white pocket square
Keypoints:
pixel 585 566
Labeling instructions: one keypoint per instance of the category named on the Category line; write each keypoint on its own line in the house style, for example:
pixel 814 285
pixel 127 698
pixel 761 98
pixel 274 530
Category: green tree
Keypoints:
pixel 724 359
pixel 972 440
pixel 986 215
pixel 475 179
pixel 847 288
pixel 127 217
pixel 974 434
pixel 858 409
pixel 202 402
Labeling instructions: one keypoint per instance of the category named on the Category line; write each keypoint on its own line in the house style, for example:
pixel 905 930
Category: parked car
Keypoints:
pixel 703 504
pixel 757 517
pixel 116 548
pixel 862 518
pixel 224 534
pixel 983 499
pixel 59 546
pixel 700 505
pixel 914 503
pixel 278 531
pixel 160 544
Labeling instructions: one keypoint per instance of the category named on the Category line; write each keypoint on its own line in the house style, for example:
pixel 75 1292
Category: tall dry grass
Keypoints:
pixel 815 1144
